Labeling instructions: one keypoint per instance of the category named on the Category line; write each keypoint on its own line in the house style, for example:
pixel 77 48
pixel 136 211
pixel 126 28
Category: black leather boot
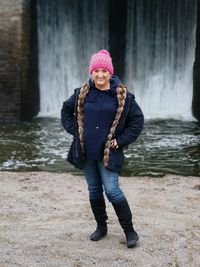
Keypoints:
pixel 99 210
pixel 124 215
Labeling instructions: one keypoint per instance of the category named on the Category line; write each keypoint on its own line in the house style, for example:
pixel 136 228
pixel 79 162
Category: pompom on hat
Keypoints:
pixel 101 59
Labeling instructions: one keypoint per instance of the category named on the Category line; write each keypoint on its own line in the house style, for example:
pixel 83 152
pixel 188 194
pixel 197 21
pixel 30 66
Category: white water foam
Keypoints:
pixel 160 55
pixel 68 33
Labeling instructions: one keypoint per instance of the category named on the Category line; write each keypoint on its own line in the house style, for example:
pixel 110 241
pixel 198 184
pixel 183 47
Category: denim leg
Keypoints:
pixel 93 179
pixel 110 180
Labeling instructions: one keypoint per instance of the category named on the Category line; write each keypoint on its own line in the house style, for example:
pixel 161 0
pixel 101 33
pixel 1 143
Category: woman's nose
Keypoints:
pixel 100 74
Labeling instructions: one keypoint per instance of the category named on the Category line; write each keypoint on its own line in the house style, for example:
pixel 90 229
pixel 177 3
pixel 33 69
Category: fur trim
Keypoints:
pixel 121 97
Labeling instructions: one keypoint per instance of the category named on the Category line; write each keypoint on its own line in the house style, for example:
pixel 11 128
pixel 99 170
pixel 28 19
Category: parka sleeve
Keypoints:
pixel 67 114
pixel 133 125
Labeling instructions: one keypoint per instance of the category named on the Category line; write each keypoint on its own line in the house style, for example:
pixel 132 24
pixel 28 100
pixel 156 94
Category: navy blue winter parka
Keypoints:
pixel 128 129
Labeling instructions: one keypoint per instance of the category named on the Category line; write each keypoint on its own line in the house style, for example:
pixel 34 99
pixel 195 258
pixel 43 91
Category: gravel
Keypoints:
pixel 45 220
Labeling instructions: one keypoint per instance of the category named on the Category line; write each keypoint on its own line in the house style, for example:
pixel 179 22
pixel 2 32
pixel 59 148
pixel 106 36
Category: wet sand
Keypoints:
pixel 45 220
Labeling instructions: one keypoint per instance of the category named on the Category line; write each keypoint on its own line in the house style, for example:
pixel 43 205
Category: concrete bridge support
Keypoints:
pixel 196 71
pixel 18 50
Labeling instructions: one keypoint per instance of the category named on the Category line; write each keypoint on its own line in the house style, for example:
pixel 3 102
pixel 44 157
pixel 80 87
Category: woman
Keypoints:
pixel 104 118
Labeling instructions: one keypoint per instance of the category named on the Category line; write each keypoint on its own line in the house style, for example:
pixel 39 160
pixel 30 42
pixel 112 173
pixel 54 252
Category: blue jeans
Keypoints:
pixel 99 178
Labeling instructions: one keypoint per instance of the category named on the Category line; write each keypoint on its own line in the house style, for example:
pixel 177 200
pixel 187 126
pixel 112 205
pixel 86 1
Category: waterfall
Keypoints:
pixel 160 55
pixel 160 51
pixel 68 33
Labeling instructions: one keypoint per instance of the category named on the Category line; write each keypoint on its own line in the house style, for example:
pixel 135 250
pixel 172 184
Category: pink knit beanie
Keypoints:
pixel 101 59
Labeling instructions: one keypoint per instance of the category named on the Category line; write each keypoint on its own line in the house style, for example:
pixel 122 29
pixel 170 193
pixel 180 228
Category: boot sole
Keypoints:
pixel 97 239
pixel 132 244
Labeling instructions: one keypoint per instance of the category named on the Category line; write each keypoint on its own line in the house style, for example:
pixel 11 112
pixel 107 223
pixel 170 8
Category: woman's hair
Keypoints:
pixel 83 92
pixel 121 96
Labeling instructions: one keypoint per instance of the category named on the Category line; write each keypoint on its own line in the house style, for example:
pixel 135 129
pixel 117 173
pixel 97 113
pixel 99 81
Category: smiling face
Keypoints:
pixel 101 78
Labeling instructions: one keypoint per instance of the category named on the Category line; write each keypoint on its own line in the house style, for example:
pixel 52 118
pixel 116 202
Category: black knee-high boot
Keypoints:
pixel 99 210
pixel 124 215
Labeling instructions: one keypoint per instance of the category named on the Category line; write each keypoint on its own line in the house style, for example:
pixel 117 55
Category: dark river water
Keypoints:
pixel 165 147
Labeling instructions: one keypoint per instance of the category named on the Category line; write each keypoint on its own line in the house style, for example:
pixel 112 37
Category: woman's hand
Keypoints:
pixel 113 144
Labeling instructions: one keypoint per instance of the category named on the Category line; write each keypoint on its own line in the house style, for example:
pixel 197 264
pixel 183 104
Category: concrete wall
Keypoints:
pixel 196 71
pixel 15 59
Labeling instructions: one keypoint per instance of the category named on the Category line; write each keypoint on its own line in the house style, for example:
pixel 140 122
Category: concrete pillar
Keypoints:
pixel 15 60
pixel 117 34
pixel 196 71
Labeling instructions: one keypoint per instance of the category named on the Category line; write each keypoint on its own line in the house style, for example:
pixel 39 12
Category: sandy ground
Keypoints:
pixel 45 220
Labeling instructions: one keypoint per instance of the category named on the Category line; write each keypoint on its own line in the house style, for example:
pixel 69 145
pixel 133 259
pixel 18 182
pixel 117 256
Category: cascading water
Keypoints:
pixel 160 55
pixel 160 52
pixel 68 32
